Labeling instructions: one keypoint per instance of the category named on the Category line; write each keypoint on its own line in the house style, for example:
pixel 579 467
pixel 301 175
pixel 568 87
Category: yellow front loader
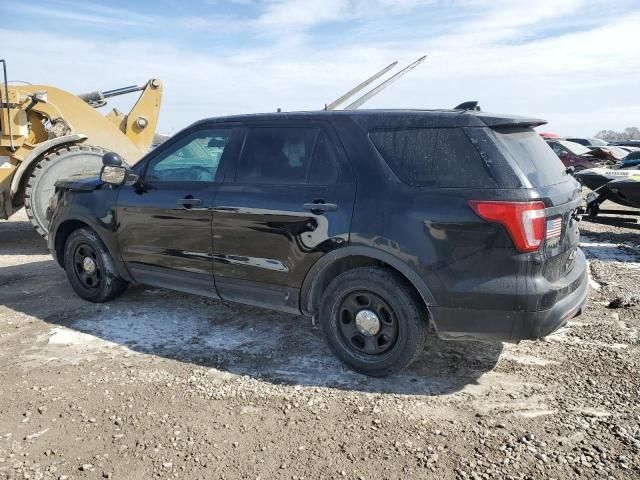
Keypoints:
pixel 47 134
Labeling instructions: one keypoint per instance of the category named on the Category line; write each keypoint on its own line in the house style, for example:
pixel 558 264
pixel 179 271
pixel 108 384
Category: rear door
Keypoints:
pixel 289 203
pixel 164 229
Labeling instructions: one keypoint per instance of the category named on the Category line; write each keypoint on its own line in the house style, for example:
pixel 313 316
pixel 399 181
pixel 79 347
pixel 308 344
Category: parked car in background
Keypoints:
pixel 627 143
pixel 574 154
pixel 631 161
pixel 377 223
pixel 628 149
pixel 546 135
pixel 588 142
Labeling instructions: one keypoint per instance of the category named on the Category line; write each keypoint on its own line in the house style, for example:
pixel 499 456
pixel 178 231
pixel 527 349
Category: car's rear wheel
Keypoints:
pixel 90 268
pixel 373 321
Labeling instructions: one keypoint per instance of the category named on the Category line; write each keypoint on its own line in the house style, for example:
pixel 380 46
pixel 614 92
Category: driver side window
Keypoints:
pixel 193 159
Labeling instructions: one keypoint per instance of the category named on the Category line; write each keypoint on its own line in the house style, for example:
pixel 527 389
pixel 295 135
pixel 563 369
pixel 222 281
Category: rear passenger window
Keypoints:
pixel 289 155
pixel 423 157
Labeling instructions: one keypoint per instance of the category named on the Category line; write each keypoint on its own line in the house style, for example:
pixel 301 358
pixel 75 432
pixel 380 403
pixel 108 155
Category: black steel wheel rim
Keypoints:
pixel 84 257
pixel 368 343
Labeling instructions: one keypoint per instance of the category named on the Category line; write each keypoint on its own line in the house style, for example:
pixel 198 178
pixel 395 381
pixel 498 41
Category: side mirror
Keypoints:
pixel 113 172
pixel 112 159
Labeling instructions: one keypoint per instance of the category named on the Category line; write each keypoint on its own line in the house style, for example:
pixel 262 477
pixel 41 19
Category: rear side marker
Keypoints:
pixel 525 221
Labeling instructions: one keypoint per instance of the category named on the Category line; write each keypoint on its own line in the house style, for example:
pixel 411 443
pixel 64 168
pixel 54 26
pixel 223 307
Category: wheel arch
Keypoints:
pixel 19 177
pixel 70 225
pixel 62 233
pixel 343 259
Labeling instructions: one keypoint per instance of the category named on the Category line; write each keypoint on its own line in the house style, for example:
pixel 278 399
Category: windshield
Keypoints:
pixel 531 153
pixel 574 147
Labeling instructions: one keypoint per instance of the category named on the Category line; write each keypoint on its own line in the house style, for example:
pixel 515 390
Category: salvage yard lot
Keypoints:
pixel 159 384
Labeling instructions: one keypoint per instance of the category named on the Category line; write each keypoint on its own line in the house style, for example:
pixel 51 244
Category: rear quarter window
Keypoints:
pixel 439 157
pixel 537 161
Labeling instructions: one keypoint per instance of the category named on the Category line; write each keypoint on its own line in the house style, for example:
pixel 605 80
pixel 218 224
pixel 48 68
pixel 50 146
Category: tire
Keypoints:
pixel 82 250
pixel 345 316
pixel 58 163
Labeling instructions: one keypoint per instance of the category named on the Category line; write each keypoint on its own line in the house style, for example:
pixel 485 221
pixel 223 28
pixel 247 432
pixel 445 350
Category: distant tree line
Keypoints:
pixel 629 133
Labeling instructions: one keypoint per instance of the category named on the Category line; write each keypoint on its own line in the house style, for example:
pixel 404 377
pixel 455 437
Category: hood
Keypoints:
pixel 80 182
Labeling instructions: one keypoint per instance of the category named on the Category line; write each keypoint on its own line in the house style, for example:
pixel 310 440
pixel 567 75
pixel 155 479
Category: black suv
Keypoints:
pixel 376 223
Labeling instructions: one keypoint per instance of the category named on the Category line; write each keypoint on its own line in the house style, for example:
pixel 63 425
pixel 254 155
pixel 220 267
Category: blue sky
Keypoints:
pixel 575 63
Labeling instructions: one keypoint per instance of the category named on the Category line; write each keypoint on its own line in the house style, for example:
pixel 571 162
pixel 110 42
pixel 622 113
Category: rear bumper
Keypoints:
pixel 466 323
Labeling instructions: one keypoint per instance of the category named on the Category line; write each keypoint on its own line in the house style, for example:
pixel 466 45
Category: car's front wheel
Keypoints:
pixel 90 268
pixel 373 321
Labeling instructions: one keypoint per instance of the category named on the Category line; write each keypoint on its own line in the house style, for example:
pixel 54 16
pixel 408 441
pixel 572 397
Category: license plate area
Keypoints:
pixel 561 243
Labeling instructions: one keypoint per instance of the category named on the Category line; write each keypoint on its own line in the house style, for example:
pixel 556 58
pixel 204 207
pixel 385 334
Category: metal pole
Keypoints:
pixel 383 85
pixel 122 91
pixel 6 90
pixel 353 91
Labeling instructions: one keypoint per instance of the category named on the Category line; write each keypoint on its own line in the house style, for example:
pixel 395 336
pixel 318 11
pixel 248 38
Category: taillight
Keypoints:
pixel 525 221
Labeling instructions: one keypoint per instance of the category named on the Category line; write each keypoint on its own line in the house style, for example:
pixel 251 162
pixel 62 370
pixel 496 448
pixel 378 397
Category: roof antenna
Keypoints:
pixel 353 91
pixel 373 92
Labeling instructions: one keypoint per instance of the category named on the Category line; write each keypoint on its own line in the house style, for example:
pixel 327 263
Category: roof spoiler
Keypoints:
pixel 506 121
pixel 496 121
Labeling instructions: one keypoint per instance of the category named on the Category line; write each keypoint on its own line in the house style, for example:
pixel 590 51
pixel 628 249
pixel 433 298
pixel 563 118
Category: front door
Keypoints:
pixel 289 204
pixel 164 228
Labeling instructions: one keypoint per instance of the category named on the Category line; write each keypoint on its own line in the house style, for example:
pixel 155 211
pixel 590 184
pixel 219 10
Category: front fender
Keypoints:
pixel 94 209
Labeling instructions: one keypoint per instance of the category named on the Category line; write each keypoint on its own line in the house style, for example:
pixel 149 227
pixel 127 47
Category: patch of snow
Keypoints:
pixel 11 260
pixel 536 413
pixel 593 284
pixel 525 359
pixel 65 336
pixel 594 412
pixel 626 255
pixel 178 332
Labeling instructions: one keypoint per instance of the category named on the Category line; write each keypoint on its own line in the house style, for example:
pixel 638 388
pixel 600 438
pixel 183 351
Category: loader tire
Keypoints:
pixel 59 163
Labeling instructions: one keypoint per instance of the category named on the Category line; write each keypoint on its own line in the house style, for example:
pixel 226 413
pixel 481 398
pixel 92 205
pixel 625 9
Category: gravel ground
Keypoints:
pixel 163 385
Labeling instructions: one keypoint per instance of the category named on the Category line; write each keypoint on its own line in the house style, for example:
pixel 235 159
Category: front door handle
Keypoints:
pixel 319 207
pixel 189 202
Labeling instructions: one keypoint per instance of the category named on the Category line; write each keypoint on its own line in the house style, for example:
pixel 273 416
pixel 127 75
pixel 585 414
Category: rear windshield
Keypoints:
pixel 424 157
pixel 532 154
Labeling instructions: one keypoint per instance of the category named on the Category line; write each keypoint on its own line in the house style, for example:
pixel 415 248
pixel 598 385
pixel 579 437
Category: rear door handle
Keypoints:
pixel 189 202
pixel 320 207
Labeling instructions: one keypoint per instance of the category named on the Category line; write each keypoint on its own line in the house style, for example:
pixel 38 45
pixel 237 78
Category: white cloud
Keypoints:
pixel 302 14
pixel 78 12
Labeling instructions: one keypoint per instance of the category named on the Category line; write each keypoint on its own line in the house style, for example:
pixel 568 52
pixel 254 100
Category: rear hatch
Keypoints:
pixel 541 170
